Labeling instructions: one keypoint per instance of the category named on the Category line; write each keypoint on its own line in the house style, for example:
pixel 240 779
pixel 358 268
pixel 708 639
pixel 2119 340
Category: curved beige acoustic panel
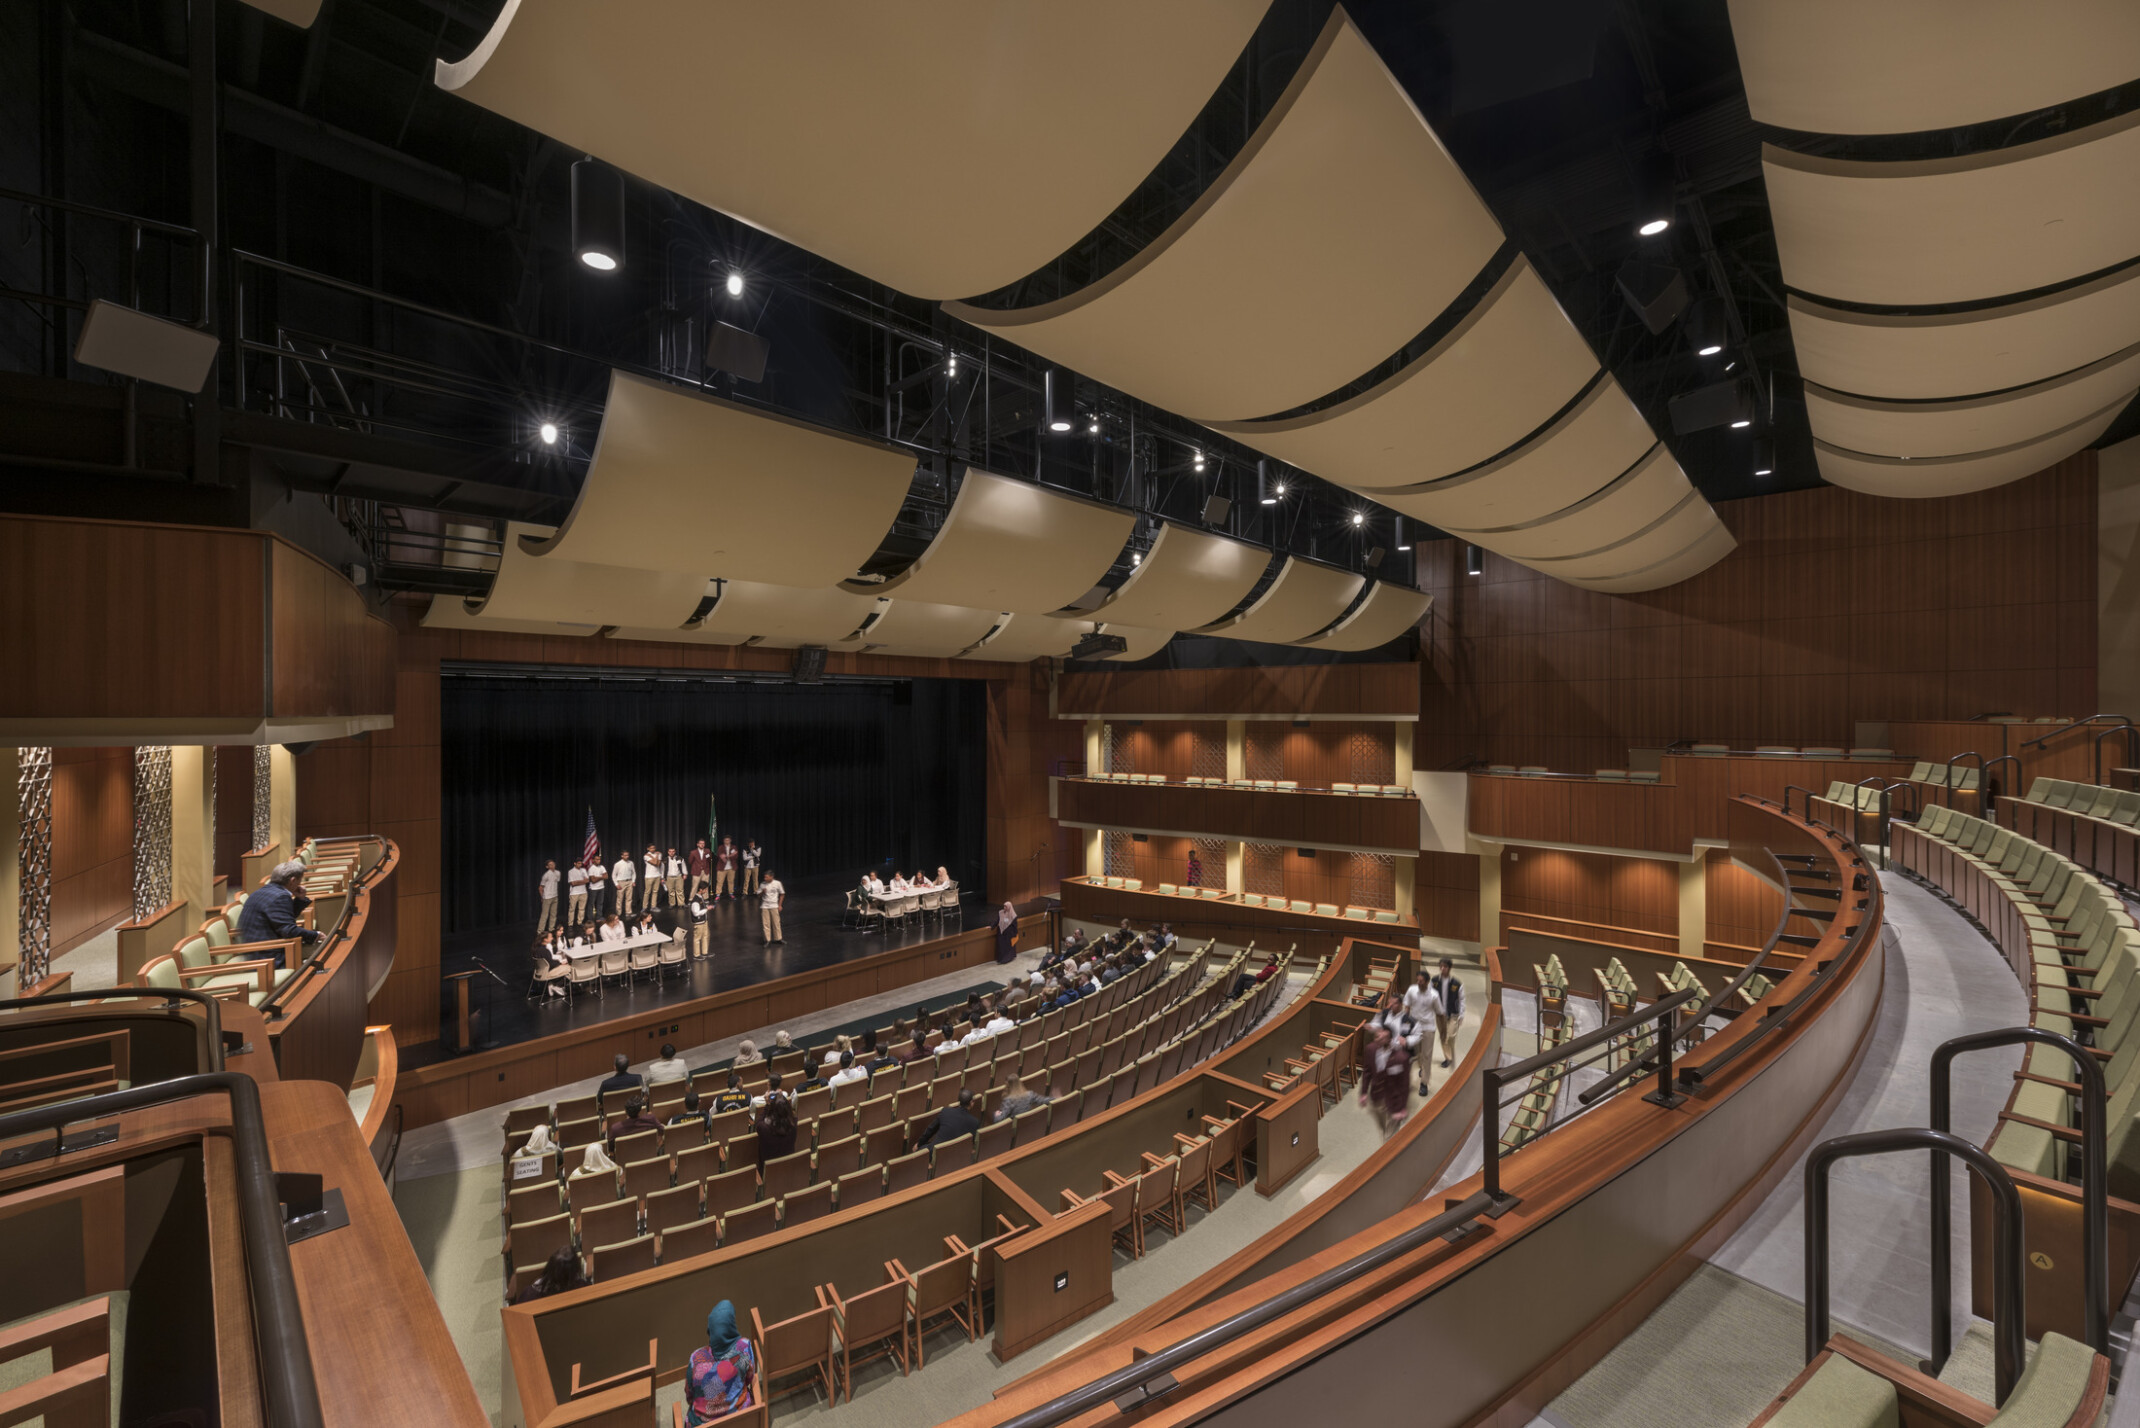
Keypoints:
pixel 1682 526
pixel 1387 612
pixel 853 127
pixel 1012 545
pixel 1305 599
pixel 1587 448
pixel 1029 637
pixel 682 481
pixel 1143 644
pixel 1498 376
pixel 1336 234
pixel 1685 565
pixel 1639 496
pixel 1958 229
pixel 1958 428
pixel 546 588
pixel 450 612
pixel 300 13
pixel 1899 66
pixel 916 627
pixel 1958 475
pixel 1188 578
pixel 783 614
pixel 1983 350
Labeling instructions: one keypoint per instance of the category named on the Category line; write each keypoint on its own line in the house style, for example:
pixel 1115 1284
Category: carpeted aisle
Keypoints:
pixel 453 1221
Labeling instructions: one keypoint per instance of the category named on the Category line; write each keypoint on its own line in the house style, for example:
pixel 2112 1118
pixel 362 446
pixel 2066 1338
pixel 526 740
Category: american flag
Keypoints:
pixel 592 853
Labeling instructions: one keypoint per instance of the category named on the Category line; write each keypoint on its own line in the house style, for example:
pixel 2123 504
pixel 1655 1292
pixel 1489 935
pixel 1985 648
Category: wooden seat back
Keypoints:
pixel 580 1386
pixel 799 1207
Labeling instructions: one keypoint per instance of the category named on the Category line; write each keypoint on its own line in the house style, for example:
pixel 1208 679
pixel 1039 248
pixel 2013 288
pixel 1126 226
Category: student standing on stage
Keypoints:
pixel 724 875
pixel 675 879
pixel 597 890
pixel 550 879
pixel 650 882
pixel 770 895
pixel 625 875
pixel 576 889
pixel 701 931
pixel 751 858
pixel 701 865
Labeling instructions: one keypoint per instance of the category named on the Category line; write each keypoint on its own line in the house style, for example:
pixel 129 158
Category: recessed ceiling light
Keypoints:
pixel 1712 349
pixel 735 285
pixel 1359 519
pixel 1281 488
pixel 600 262
pixel 549 433
pixel 1058 425
pixel 1742 423
pixel 1094 429
pixel 1654 227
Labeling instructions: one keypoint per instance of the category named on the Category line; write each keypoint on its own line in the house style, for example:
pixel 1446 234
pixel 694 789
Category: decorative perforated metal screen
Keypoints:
pixel 263 794
pixel 1263 869
pixel 1374 880
pixel 33 787
pixel 152 829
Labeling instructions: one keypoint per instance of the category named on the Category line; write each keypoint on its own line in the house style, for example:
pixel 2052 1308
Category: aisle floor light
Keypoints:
pixel 598 215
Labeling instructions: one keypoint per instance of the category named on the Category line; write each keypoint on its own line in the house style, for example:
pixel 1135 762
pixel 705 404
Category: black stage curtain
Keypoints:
pixel 830 779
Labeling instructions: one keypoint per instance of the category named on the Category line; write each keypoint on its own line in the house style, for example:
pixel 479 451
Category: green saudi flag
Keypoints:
pixel 713 824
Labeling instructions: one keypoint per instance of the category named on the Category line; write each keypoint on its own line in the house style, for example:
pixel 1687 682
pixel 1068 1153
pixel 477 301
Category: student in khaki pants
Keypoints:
pixel 550 879
pixel 701 929
pixel 770 895
pixel 675 879
pixel 576 888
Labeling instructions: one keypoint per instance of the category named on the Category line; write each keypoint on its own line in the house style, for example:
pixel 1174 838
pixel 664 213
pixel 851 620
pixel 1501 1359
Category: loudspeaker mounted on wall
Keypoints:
pixel 121 339
pixel 740 354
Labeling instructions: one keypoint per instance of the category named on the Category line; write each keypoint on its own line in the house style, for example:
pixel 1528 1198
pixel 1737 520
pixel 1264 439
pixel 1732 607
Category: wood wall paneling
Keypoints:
pixel 1835 608
pixel 1445 895
pixel 92 843
pixel 1373 690
pixel 1636 893
pixel 1260 815
pixel 329 654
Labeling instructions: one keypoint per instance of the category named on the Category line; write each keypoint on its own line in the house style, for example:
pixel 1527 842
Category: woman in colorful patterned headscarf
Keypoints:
pixel 721 1375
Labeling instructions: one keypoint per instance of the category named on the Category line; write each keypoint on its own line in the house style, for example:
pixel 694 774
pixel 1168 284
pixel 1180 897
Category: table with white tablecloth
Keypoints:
pixel 656 938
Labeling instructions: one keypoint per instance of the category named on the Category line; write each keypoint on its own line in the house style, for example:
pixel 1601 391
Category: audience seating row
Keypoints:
pixel 1280 785
pixel 2075 948
pixel 2097 827
pixel 855 1154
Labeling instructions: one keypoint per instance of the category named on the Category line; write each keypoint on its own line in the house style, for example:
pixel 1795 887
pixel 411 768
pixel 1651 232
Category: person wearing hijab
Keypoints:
pixel 561 1273
pixel 596 1162
pixel 720 1377
pixel 943 876
pixel 748 1054
pixel 539 1145
pixel 1006 934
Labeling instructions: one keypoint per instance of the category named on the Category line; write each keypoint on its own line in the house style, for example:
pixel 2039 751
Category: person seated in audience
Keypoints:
pixel 1386 1079
pixel 560 1273
pixel 692 1111
pixel 1243 981
pixel 849 1073
pixel 634 1120
pixel 880 1057
pixel 1122 937
pixel 1167 939
pixel 775 1125
pixel 539 1145
pixel 773 1091
pixel 1018 1100
pixel 914 1050
pixel 595 1164
pixel 718 1379
pixel 782 1042
pixel 839 1048
pixel 953 1122
pixel 1270 968
pixel 270 914
pixel 613 929
pixel 813 1077
pixel 998 1022
pixel 733 1097
pixel 1053 997
pixel 974 1010
pixel 670 1067
pixel 1110 970
pixel 623 1078
pixel 748 1054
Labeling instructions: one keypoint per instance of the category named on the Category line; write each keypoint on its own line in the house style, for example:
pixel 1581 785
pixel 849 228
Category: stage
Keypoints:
pixel 739 958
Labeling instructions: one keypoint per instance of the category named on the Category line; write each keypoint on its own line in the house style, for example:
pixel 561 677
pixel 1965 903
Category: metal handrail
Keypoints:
pixel 2095 1184
pixel 289 1391
pixel 1791 788
pixel 2132 746
pixel 171 997
pixel 1950 788
pixel 2009 1346
pixel 1151 1376
pixel 1984 778
pixel 1753 965
pixel 2125 721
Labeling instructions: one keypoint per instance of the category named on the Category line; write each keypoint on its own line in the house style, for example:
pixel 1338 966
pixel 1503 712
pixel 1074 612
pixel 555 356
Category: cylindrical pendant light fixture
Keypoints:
pixel 598 215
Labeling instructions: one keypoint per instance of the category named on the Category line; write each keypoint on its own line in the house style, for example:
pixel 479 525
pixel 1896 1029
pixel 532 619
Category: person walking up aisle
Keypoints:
pixel 1449 1007
pixel 751 858
pixel 626 877
pixel 724 876
pixel 770 895
pixel 576 890
pixel 549 881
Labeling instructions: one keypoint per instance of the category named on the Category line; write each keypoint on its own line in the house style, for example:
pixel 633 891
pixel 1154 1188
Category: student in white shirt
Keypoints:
pixel 625 876
pixel 701 929
pixel 999 1023
pixel 613 930
pixel 849 1073
pixel 838 1049
pixel 597 888
pixel 576 893
pixel 900 883
pixel 675 879
pixel 549 881
pixel 751 858
pixel 650 882
pixel 771 894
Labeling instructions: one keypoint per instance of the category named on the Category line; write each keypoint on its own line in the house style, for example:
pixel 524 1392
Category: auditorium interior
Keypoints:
pixel 694 739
